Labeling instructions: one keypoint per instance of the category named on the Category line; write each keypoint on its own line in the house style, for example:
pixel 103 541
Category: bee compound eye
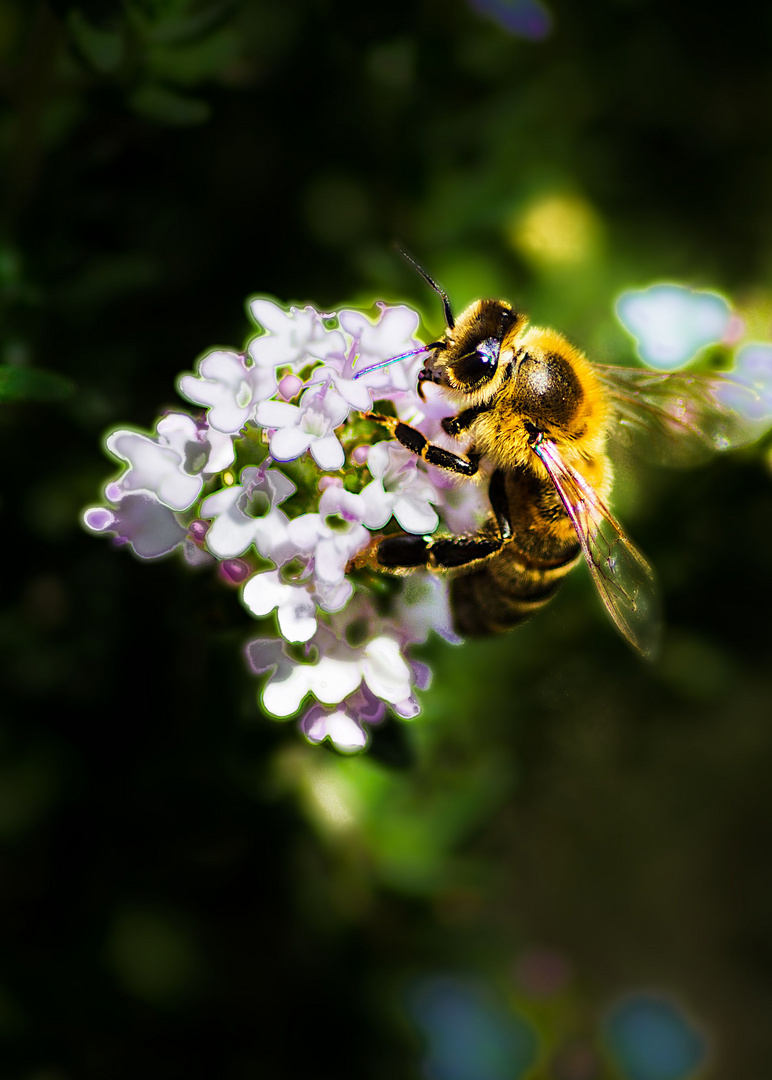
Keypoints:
pixel 478 365
pixel 488 351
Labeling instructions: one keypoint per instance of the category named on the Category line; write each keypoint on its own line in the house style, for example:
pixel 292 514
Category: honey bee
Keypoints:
pixel 536 417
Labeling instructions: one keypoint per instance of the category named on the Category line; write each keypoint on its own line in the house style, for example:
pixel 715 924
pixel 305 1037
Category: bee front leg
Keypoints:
pixel 466 465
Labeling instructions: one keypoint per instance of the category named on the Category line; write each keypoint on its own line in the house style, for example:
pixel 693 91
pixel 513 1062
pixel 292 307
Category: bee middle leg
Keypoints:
pixel 407 551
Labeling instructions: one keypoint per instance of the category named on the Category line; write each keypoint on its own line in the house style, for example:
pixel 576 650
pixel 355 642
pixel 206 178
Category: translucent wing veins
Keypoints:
pixel 622 576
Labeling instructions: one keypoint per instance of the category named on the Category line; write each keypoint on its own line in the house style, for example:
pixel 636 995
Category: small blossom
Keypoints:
pixel 423 605
pixel 337 672
pixel 292 338
pixel 246 513
pixel 332 548
pixel 295 604
pixel 307 426
pixel 338 725
pixel 346 725
pixel 171 466
pixel 229 388
pixel 149 528
pixel 399 489
pixel 391 335
pixel 266 592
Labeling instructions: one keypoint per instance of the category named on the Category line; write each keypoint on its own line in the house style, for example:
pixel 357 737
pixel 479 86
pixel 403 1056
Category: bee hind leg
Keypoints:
pixel 406 552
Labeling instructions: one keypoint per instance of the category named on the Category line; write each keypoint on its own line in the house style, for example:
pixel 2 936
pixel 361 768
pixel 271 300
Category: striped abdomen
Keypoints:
pixel 499 592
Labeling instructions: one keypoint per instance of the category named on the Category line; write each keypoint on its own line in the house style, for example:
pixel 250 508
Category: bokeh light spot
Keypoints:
pixel 469 1034
pixel 556 231
pixel 671 323
pixel 652 1039
pixel 523 18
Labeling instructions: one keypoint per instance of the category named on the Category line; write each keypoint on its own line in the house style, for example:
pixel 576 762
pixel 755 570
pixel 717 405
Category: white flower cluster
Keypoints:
pixel 278 484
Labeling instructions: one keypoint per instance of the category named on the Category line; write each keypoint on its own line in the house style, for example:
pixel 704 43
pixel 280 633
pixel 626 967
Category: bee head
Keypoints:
pixel 468 357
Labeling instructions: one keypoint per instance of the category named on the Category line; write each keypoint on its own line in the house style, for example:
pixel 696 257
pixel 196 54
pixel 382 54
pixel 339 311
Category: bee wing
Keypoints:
pixel 622 576
pixel 681 417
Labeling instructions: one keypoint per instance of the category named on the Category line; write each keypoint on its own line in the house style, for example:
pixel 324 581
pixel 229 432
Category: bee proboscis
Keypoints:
pixel 535 416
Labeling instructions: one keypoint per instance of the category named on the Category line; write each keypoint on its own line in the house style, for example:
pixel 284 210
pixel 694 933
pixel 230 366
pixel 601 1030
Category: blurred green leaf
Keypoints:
pixel 172 23
pixel 102 49
pixel 168 107
pixel 187 63
pixel 32 384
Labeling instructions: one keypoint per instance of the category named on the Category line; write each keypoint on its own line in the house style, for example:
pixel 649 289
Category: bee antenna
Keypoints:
pixel 450 322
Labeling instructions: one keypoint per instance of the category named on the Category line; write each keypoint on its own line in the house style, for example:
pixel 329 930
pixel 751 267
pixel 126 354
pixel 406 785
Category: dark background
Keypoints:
pixel 187 889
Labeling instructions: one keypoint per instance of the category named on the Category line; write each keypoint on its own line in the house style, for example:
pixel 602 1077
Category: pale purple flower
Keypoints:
pixel 177 491
pixel 293 338
pixel 229 387
pixel 332 546
pixel 150 529
pixel 294 602
pixel 310 425
pixel 423 605
pixel 369 343
pixel 295 606
pixel 345 725
pixel 398 488
pixel 173 465
pixel 338 725
pixel 392 334
pixel 463 507
pixel 338 670
pixel 247 513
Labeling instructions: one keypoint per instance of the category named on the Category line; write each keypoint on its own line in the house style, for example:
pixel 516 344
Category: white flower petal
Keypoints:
pixel 229 536
pixel 297 620
pixel 289 443
pixel 305 531
pixel 327 452
pixel 340 728
pixel 270 316
pixel 378 505
pixel 264 592
pixel 385 670
pixel 334 551
pixel 331 680
pixel 150 529
pixel 415 516
pixel 355 392
pixel 333 597
pixel 277 414
pixel 336 500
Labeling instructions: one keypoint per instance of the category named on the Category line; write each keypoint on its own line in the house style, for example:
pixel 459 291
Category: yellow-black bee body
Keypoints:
pixel 537 415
